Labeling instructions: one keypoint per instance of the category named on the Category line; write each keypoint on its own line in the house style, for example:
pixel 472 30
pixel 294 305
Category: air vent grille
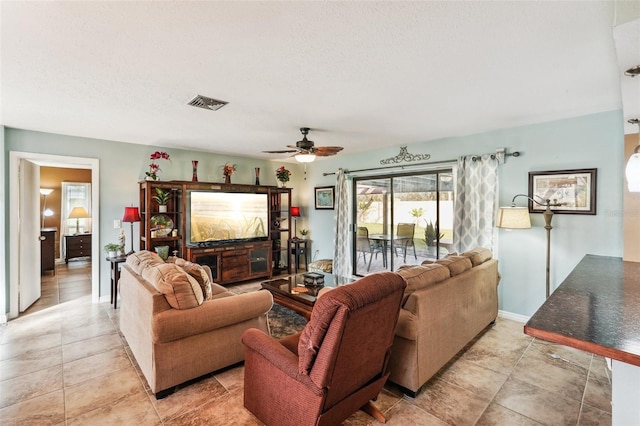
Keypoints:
pixel 207 103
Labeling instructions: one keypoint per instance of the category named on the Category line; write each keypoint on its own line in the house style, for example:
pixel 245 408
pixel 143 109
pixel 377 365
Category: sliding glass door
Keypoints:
pixel 401 219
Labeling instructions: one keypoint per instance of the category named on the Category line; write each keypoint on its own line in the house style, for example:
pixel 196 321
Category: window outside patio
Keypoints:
pixel 402 219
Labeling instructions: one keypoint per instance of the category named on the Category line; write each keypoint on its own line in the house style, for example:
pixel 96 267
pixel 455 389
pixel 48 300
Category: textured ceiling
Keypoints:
pixel 362 75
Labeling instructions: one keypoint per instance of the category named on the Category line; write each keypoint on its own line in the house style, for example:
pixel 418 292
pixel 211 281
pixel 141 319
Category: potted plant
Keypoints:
pixel 304 233
pixel 112 249
pixel 431 236
pixel 162 198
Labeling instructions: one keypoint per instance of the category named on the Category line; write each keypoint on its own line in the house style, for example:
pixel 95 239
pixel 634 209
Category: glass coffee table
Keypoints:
pixel 291 291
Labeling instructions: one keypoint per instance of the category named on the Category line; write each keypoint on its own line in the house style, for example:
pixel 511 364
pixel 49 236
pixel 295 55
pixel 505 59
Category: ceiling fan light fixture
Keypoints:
pixel 633 71
pixel 305 158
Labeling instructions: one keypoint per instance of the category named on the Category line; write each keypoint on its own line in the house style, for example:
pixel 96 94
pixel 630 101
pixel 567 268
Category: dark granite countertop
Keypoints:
pixel 596 309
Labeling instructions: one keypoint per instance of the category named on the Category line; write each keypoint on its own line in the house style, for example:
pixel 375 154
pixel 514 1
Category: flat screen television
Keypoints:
pixel 215 217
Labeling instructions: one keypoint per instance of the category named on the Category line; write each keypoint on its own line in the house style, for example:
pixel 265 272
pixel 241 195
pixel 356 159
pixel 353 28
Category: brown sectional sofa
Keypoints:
pixel 178 324
pixel 447 303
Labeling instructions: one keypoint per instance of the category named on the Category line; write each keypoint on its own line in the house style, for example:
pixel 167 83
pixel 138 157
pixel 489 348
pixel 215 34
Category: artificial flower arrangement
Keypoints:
pixel 228 169
pixel 154 168
pixel 283 174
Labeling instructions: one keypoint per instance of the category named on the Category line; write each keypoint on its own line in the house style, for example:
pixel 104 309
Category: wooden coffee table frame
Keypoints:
pixel 300 302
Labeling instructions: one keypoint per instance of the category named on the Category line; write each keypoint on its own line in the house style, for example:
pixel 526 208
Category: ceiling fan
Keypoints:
pixel 305 151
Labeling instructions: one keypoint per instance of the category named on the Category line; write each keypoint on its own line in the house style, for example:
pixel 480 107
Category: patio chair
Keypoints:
pixel 364 245
pixel 404 239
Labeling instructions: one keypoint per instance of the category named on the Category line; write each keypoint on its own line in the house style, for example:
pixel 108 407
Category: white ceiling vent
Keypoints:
pixel 207 103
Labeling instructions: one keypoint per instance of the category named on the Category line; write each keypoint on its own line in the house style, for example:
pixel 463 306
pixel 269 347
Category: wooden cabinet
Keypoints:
pixel 77 246
pixel 164 228
pixel 280 228
pixel 47 249
pixel 231 261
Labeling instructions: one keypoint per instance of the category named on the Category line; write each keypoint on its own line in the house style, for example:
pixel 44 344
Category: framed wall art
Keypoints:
pixel 575 190
pixel 325 197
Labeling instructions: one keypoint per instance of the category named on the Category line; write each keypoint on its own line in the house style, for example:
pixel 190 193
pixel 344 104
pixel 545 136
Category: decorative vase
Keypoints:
pixel 194 166
pixel 227 178
pixel 151 178
pixel 112 254
pixel 283 184
pixel 257 175
pixel 162 208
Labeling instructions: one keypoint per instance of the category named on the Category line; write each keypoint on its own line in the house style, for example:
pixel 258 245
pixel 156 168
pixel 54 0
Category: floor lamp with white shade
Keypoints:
pixel 514 217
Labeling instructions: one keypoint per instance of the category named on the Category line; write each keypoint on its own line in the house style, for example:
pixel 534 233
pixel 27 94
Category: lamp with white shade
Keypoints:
pixel 513 217
pixel 78 213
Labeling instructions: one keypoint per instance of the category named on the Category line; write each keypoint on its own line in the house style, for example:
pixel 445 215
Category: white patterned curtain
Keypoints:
pixel 476 201
pixel 341 252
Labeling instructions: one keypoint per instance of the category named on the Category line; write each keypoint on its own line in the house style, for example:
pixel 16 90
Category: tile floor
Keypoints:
pixel 65 363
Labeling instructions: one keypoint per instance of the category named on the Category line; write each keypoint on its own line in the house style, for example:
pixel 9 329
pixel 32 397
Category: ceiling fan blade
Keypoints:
pixel 327 150
pixel 283 151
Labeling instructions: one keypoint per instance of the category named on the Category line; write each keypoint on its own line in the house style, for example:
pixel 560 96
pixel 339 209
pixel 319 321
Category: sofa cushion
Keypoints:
pixel 197 272
pixel 478 256
pixel 142 259
pixel 180 289
pixel 429 261
pixel 422 276
pixel 456 264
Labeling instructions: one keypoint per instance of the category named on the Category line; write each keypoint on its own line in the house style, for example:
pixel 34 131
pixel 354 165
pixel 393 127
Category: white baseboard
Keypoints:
pixel 514 317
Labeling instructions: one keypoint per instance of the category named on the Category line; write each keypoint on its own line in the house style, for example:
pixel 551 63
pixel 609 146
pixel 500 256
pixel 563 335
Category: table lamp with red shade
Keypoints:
pixel 131 214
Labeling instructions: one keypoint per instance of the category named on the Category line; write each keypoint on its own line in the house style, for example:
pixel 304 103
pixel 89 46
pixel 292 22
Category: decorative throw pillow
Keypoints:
pixel 143 259
pixel 180 289
pixel 197 272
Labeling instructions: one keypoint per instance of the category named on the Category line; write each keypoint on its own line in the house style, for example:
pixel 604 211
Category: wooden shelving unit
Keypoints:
pixel 229 262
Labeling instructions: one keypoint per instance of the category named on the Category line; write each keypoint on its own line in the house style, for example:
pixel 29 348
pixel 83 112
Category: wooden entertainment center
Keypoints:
pixel 231 261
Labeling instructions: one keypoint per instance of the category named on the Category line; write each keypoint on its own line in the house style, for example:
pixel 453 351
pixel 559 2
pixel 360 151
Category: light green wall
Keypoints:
pixel 122 165
pixel 584 142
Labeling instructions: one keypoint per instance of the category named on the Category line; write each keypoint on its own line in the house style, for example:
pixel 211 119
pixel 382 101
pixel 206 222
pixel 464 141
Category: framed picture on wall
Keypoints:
pixel 325 197
pixel 575 190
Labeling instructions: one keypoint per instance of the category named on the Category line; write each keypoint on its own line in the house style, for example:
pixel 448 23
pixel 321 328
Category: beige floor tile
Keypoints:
pixel 102 391
pixel 598 393
pixel 497 354
pixel 444 401
pixel 564 353
pixel 473 377
pixel 600 369
pixel 136 409
pixel 189 397
pixel 87 368
pixel 27 386
pixel 552 374
pixel 88 347
pixel 226 410
pixel 496 414
pixel 100 327
pixel 47 409
pixel 405 413
pixel 232 379
pixel 590 416
pixel 30 362
pixel 537 403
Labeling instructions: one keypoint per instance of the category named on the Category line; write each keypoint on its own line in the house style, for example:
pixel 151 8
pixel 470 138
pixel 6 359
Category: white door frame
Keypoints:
pixel 14 192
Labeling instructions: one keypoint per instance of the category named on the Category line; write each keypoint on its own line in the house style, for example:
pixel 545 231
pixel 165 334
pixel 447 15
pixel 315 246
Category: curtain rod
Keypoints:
pixel 428 163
